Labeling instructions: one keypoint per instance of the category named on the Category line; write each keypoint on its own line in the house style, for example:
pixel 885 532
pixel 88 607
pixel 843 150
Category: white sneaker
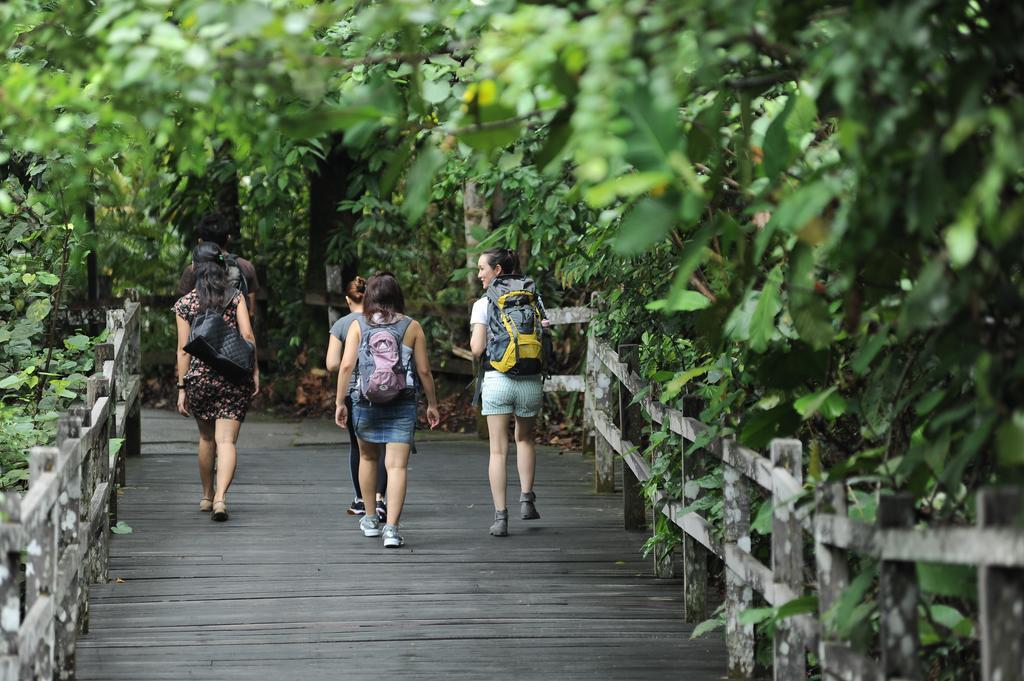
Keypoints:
pixel 392 540
pixel 370 525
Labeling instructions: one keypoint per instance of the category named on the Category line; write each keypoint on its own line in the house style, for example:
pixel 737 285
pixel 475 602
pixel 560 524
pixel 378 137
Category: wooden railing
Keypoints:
pixel 58 532
pixel 995 546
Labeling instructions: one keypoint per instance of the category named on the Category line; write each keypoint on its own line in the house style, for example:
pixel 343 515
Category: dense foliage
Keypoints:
pixel 809 216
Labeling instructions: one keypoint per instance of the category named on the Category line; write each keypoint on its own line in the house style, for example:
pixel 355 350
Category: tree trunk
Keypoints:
pixel 475 217
pixel 225 189
pixel 327 188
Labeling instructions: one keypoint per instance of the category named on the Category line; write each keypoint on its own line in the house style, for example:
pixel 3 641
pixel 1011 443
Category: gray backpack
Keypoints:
pixel 380 369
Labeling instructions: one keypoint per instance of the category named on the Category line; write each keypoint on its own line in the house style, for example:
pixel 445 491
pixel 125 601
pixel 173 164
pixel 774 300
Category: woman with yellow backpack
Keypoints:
pixel 508 335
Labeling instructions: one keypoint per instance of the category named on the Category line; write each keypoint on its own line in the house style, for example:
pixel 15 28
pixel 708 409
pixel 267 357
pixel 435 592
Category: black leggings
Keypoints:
pixel 353 458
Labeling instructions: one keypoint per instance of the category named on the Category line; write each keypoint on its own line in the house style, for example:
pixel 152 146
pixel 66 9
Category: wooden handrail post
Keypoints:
pixel 133 415
pixel 10 590
pixel 631 423
pixel 600 397
pixel 790 661
pixel 1001 592
pixel 831 563
pixel 898 592
pixel 739 638
pixel 695 556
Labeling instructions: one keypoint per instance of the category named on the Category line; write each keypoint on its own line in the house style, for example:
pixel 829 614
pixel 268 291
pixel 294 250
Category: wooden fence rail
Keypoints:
pixel 995 546
pixel 57 533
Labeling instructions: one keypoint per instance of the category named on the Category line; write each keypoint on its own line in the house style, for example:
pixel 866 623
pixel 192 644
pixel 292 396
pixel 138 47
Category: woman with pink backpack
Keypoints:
pixel 387 351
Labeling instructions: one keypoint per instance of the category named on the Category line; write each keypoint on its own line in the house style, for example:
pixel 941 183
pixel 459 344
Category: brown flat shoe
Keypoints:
pixel 206 504
pixel 220 511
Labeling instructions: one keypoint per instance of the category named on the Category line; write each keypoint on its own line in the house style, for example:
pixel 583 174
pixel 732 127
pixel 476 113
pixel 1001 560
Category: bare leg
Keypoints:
pixel 397 460
pixel 497 431
pixel 207 455
pixel 526 452
pixel 369 453
pixel 227 436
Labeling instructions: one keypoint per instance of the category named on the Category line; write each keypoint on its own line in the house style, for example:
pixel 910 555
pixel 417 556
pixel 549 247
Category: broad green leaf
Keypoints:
pixel 121 528
pixel 627 186
pixel 1010 440
pixel 78 342
pixel 955 581
pixel 869 350
pixel 777 150
pixel 645 225
pixel 47 278
pixel 830 403
pixel 436 91
pixel 115 445
pixel 762 323
pixel 797 606
pixel 420 183
pixel 707 626
pixel 756 615
pixel 38 310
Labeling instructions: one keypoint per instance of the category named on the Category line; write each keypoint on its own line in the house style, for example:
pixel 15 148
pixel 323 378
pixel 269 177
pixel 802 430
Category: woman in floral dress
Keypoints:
pixel 218 404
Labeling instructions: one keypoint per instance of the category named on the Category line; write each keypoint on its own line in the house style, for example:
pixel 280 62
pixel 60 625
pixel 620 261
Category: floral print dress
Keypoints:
pixel 209 395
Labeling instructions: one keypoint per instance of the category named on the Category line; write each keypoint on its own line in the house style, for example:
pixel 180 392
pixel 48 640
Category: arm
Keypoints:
pixel 245 328
pixel 478 340
pixel 251 303
pixel 348 365
pixel 333 353
pixel 182 362
pixel 419 354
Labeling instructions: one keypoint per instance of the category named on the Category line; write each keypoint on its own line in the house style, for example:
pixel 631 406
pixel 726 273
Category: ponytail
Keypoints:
pixel 506 258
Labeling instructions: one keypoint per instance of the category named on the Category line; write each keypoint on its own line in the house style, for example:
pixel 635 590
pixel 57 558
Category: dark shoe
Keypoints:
pixel 356 508
pixel 382 509
pixel 529 511
pixel 500 526
pixel 220 511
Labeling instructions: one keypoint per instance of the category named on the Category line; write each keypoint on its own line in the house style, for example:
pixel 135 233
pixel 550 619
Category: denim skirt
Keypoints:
pixel 384 423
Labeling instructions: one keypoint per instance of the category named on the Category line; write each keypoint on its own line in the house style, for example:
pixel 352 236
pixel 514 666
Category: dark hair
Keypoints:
pixel 384 296
pixel 214 227
pixel 505 257
pixel 211 275
pixel 356 289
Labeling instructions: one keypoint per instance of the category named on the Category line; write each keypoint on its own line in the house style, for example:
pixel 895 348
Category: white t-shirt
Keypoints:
pixel 479 313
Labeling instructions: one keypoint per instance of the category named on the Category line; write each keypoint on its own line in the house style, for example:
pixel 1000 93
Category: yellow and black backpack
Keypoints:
pixel 515 336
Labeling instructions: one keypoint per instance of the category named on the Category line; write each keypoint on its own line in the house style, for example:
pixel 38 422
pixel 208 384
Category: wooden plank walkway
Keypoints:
pixel 289 589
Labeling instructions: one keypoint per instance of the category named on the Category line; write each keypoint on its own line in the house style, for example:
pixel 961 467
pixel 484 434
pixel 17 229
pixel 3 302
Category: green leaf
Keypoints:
pixel 78 342
pixel 673 387
pixel 762 522
pixel 777 150
pixel 115 445
pixel 559 132
pixel 627 186
pixel 707 626
pixel 954 581
pixel 11 381
pixel 762 323
pixel 121 528
pixel 436 91
pixel 38 310
pixel 828 401
pixel 420 183
pixel 1010 440
pixel 756 615
pixel 869 350
pixel 647 224
pixel 797 606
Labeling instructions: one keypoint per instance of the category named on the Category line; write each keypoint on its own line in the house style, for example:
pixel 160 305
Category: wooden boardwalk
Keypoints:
pixel 289 589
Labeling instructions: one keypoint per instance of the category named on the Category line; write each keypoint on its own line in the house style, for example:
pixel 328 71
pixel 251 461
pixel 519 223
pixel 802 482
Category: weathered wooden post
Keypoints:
pixel 69 604
pixel 831 563
pixel 335 288
pixel 695 556
pixel 898 595
pixel 631 423
pixel 133 362
pixel 739 596
pixel 10 590
pixel 600 396
pixel 41 561
pixel 790 661
pixel 1001 592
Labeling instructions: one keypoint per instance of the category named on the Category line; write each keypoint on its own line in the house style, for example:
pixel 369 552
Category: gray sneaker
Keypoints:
pixel 370 525
pixel 392 540
pixel 500 526
pixel 529 511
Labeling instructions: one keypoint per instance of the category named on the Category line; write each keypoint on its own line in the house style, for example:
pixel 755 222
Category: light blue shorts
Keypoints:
pixel 521 395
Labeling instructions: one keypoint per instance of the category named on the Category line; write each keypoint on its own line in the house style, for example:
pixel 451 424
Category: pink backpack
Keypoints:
pixel 382 374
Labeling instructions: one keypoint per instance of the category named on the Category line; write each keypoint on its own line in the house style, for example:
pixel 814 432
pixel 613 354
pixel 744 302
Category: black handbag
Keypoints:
pixel 216 343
